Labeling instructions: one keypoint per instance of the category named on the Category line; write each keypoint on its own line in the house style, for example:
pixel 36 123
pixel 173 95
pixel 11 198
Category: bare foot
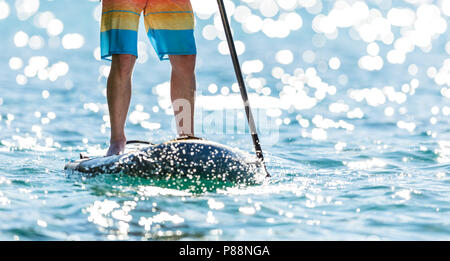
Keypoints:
pixel 116 148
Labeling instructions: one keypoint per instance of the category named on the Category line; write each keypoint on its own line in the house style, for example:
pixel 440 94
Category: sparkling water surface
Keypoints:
pixel 351 100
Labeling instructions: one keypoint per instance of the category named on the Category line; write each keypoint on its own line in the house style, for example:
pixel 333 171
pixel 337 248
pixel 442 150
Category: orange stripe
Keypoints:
pixel 114 18
pixel 127 5
pixel 168 5
pixel 149 5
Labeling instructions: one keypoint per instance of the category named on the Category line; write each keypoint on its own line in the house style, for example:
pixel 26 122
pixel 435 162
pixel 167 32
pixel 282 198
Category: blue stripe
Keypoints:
pixel 123 11
pixel 170 12
pixel 172 42
pixel 117 41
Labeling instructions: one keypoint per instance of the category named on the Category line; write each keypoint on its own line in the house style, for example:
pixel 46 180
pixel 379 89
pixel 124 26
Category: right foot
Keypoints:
pixel 116 148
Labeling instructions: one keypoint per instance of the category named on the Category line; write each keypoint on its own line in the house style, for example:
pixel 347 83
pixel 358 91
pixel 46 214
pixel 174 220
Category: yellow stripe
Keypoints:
pixel 119 20
pixel 170 21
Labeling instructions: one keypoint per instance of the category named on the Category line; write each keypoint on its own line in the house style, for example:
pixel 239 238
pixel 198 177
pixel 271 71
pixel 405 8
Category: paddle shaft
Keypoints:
pixel 240 79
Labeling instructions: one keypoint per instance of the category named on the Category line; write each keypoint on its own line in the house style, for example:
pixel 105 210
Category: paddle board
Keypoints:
pixel 191 158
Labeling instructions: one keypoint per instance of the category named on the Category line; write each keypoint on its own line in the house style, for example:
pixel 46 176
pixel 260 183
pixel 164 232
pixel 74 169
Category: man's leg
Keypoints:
pixel 182 92
pixel 119 95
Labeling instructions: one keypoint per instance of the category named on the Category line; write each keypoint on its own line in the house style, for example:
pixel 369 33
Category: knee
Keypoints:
pixel 122 65
pixel 183 64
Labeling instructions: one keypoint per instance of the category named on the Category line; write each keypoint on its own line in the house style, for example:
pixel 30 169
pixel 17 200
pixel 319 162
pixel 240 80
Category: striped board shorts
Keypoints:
pixel 169 25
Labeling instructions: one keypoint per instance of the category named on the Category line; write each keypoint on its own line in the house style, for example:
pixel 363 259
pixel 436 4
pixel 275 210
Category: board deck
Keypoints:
pixel 183 158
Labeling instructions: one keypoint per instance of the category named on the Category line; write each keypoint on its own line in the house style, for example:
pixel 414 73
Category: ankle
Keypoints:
pixel 118 140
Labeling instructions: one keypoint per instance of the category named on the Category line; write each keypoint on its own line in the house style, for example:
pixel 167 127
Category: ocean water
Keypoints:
pixel 351 101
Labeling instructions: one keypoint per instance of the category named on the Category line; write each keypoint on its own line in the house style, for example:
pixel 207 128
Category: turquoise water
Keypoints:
pixel 351 158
